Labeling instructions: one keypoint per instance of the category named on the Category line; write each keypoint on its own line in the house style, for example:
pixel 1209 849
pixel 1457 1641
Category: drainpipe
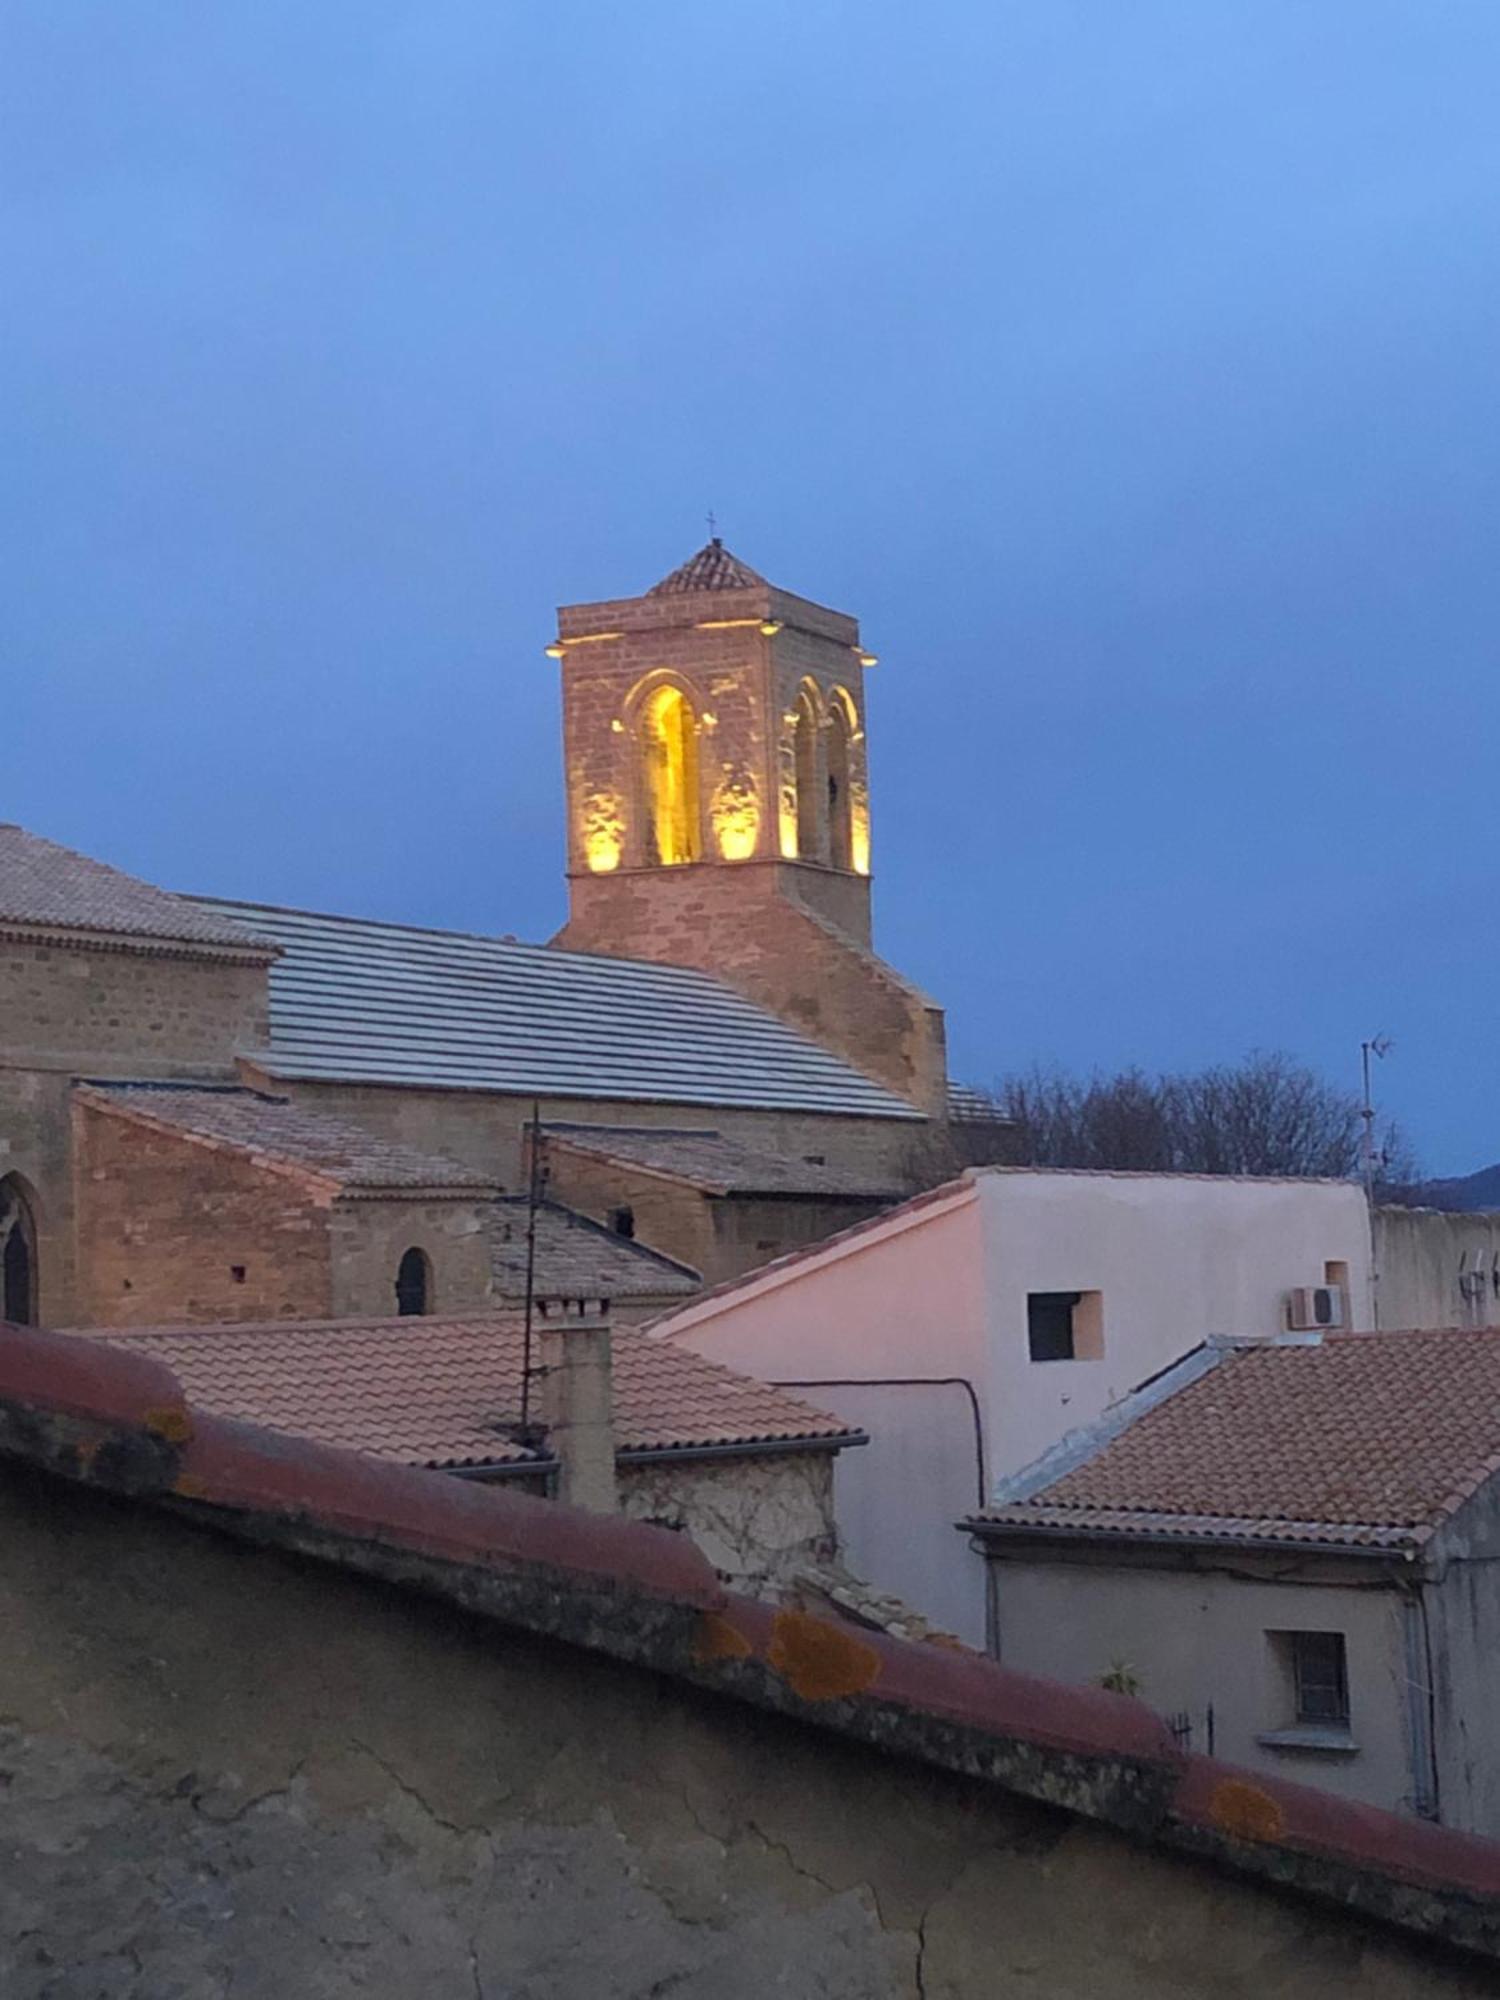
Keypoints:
pixel 578 1403
pixel 1421 1700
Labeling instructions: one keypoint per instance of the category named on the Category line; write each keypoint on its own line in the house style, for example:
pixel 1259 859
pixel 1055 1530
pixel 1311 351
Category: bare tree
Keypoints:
pixel 1266 1115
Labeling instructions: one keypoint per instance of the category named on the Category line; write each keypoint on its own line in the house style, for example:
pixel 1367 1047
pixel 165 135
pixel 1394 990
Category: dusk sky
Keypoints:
pixel 1131 368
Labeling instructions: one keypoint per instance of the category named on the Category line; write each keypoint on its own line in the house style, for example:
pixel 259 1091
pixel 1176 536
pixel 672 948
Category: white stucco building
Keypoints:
pixel 973 1327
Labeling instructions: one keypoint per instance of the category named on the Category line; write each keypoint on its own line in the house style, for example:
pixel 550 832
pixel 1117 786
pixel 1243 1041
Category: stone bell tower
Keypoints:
pixel 719 806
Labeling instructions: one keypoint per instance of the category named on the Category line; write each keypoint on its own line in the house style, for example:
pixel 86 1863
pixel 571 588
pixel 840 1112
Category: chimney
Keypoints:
pixel 578 1400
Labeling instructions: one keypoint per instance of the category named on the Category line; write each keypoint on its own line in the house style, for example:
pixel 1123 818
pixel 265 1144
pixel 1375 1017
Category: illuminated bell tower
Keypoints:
pixel 718 799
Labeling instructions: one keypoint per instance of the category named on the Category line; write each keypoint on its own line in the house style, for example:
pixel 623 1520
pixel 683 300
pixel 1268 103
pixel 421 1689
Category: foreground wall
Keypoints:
pixel 230 1769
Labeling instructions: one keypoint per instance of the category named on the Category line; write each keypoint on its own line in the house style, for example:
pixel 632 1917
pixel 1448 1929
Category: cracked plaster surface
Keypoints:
pixel 227 1774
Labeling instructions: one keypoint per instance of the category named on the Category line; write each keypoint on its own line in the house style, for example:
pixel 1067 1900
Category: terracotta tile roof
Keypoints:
pixel 579 1259
pixel 56 888
pixel 275 1130
pixel 438 1392
pixel 1361 1440
pixel 712 568
pixel 705 1159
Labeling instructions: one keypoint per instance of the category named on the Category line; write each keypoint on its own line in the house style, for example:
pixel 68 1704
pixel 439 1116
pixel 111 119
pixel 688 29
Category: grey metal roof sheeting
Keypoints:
pixel 354 1001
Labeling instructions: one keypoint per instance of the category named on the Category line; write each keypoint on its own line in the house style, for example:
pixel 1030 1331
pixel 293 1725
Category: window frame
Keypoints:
pixel 404 1287
pixel 1085 1325
pixel 1311 1682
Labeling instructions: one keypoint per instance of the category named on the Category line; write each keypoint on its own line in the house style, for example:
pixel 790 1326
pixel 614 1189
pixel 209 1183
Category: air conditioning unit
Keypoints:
pixel 1314 1308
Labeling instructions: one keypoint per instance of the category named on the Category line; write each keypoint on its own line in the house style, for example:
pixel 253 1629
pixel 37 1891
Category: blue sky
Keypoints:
pixel 1130 369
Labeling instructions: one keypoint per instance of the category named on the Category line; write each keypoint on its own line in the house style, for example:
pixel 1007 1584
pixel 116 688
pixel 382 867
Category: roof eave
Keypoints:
pixel 1096 1533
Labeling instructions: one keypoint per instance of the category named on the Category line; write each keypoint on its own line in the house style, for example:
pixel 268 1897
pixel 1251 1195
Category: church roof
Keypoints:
pixel 577 1258
pixel 712 568
pixel 56 888
pixel 354 1001
pixel 275 1131
pixel 718 1166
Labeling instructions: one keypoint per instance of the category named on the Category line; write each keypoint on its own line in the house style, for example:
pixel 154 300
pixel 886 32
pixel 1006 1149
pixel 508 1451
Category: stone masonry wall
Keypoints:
pixel 230 1772
pixel 128 1013
pixel 719 1235
pixel 786 929
pixel 487 1130
pixel 369 1238
pixel 670 1217
pixel 761 1521
pixel 67 1012
pixel 170 1231
pixel 746 926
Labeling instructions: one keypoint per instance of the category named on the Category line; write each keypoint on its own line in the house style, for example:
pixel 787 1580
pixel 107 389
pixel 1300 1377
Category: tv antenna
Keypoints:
pixel 1378 1046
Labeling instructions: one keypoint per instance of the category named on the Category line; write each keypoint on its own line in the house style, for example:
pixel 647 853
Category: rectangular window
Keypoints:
pixel 1065 1326
pixel 1320 1677
pixel 1049 1325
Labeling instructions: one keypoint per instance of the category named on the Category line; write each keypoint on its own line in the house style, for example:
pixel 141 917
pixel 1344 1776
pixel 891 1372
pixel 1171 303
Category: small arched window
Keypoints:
pixel 669 744
pixel 805 747
pixel 414 1284
pixel 18 1277
pixel 840 798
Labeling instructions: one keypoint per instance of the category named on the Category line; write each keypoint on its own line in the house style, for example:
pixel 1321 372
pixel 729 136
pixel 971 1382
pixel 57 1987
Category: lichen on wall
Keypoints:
pixel 231 1772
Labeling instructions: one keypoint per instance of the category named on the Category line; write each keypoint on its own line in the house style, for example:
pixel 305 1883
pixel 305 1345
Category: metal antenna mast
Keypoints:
pixel 1377 1045
pixel 533 1203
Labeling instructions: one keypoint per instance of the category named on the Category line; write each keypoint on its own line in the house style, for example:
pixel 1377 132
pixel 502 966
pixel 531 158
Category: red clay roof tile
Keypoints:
pixel 1362 1440
pixel 441 1392
pixel 712 568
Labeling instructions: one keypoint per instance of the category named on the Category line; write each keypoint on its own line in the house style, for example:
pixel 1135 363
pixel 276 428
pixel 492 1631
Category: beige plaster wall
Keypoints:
pixel 229 1771
pixel 1436 1269
pixel 890 1322
pixel 1195 1636
pixel 1174 1257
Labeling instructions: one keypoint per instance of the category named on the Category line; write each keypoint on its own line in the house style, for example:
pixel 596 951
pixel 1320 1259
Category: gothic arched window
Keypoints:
pixel 840 798
pixel 669 743
pixel 805 747
pixel 18 1285
pixel 414 1284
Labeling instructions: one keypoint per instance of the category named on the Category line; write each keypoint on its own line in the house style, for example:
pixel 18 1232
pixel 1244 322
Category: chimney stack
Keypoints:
pixel 578 1400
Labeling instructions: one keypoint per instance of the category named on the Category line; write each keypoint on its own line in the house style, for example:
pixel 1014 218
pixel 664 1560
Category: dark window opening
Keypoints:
pixel 414 1284
pixel 1320 1674
pixel 1049 1325
pixel 622 1221
pixel 840 819
pixel 18 1287
pixel 237 1272
pixel 805 759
